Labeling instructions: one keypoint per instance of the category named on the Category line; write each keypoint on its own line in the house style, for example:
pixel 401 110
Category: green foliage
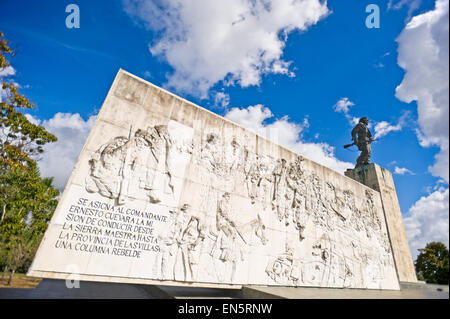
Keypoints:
pixel 27 201
pixel 19 138
pixel 4 50
pixel 432 263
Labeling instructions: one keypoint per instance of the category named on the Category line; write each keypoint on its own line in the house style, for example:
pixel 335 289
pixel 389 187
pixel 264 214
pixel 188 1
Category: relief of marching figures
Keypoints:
pixel 296 196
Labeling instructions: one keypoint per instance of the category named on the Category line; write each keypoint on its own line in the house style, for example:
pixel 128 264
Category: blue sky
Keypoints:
pixel 70 71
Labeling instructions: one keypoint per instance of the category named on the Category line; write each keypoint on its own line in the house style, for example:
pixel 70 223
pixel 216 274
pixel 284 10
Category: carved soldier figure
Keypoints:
pixel 315 201
pixel 280 174
pixel 265 182
pixel 191 238
pixel 226 238
pixel 168 156
pixel 133 161
pixel 226 227
pixel 106 166
pixel 233 156
pixel 211 154
pixel 252 176
pixel 159 173
pixel 186 237
pixel 156 162
pixel 279 194
pixel 295 191
pixel 362 138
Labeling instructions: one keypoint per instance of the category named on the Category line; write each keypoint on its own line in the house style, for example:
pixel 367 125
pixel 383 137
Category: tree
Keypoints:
pixel 19 138
pixel 27 201
pixel 30 204
pixel 432 263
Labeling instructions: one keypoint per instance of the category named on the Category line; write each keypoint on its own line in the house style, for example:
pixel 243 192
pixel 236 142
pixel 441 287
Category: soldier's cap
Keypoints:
pixel 161 128
pixel 364 119
pixel 139 133
pixel 185 206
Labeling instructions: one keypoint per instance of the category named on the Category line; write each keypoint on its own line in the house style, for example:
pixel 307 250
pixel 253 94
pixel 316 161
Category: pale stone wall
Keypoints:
pixel 167 192
pixel 380 179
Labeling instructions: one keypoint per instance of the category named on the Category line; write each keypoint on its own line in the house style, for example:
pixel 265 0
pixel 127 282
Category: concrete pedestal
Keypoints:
pixel 380 179
pixel 56 289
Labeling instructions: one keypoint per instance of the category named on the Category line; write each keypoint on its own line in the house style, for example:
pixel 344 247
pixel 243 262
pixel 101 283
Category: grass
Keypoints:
pixel 20 281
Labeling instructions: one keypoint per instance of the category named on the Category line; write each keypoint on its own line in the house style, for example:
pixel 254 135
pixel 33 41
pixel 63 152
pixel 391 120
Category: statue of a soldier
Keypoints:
pixel 362 138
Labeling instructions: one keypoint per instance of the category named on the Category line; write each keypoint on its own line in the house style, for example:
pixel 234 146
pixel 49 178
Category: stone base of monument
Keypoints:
pixel 407 291
pixel 57 289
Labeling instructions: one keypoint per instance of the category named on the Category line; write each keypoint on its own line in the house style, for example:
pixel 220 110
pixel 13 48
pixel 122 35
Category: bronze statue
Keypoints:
pixel 362 138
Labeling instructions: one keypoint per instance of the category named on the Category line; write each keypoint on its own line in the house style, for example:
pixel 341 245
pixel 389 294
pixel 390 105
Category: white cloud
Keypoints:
pixel 59 158
pixel 427 220
pixel 343 105
pixel 383 128
pixel 4 73
pixel 402 171
pixel 221 99
pixel 286 133
pixel 234 41
pixel 2 94
pixel 33 119
pixel 412 5
pixel 8 71
pixel 423 53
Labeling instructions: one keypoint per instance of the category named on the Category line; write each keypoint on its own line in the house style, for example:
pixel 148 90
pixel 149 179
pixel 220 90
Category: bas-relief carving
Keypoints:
pixel 214 234
pixel 223 243
pixel 145 160
pixel 182 245
pixel 303 198
pixel 230 238
pixel 284 269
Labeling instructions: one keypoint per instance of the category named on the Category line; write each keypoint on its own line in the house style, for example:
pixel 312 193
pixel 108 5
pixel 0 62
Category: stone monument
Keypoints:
pixel 166 192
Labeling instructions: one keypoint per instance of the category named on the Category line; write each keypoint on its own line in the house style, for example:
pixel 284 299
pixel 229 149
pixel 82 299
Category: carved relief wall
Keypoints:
pixel 177 194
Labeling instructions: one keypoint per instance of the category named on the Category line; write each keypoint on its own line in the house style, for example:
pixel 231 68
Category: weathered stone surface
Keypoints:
pixel 166 192
pixel 380 179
